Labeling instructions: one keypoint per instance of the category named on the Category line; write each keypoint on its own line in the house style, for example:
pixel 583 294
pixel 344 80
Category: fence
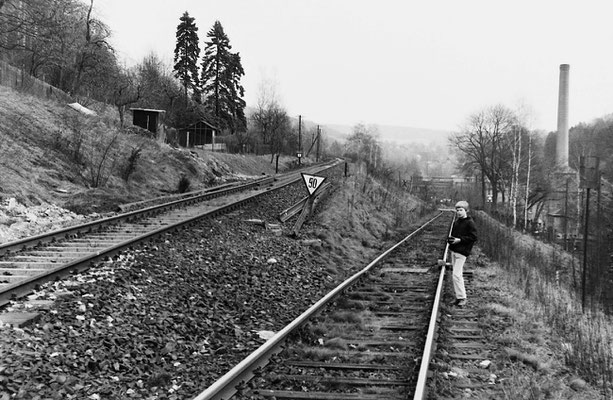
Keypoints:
pixel 23 82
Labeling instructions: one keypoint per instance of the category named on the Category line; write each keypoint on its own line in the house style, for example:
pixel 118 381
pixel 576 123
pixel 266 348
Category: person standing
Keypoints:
pixel 461 240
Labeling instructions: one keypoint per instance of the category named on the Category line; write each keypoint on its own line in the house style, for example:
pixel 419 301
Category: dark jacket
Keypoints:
pixel 465 230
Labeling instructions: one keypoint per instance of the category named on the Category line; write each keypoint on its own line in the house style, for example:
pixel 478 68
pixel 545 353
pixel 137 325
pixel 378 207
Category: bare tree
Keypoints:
pixel 267 101
pixel 58 41
pixel 101 152
pixel 125 91
pixel 484 143
pixel 94 48
pixel 270 119
pixel 159 89
pixel 363 146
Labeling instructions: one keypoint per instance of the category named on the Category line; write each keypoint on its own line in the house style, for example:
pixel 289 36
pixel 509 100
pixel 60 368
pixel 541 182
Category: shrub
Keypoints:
pixel 131 162
pixel 184 184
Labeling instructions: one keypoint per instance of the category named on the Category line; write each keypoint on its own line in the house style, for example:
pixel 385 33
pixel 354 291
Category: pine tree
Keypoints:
pixel 187 53
pixel 236 103
pixel 220 79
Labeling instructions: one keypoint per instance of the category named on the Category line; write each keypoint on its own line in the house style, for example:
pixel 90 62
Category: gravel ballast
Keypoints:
pixel 168 318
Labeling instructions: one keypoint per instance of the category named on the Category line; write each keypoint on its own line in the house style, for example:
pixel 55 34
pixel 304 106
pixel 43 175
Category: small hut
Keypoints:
pixel 199 134
pixel 152 120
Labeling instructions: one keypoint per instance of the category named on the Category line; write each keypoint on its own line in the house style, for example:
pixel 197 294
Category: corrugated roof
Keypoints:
pixel 147 109
pixel 203 121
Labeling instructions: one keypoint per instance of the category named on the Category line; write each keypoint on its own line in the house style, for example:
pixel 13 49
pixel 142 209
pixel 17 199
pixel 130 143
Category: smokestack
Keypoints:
pixel 562 142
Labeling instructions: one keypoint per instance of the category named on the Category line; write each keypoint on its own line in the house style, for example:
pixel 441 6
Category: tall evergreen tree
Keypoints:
pixel 236 102
pixel 187 53
pixel 220 79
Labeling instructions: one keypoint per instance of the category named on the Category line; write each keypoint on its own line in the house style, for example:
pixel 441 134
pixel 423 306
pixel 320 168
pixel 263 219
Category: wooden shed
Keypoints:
pixel 199 134
pixel 152 120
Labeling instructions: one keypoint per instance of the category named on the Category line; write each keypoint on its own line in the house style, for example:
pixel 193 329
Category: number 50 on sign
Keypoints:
pixel 312 182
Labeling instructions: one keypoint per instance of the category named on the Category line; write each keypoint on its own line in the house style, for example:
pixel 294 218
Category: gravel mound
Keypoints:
pixel 18 221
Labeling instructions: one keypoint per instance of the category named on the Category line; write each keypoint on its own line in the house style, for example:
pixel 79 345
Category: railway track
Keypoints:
pixel 461 363
pixel 369 338
pixel 27 263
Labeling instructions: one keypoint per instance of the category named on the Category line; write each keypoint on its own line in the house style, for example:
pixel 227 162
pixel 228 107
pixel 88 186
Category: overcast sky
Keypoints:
pixel 425 64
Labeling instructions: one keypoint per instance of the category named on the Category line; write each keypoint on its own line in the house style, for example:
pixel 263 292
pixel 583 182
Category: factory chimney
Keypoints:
pixel 562 139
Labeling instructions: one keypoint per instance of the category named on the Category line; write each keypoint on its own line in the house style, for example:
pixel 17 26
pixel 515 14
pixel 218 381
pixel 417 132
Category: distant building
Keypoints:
pixel 152 120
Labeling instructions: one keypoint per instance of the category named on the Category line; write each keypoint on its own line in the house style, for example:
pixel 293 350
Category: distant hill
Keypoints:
pixel 388 133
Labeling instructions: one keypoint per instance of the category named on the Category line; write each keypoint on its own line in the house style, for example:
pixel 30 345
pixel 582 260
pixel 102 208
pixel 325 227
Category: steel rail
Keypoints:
pixel 224 387
pixel 293 210
pixel 18 288
pixel 25 286
pixel 156 209
pixel 296 208
pixel 165 199
pixel 49 237
pixel 420 387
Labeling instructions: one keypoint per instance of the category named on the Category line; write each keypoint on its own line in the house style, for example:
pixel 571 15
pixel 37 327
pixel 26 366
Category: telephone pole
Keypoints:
pixel 318 140
pixel 589 178
pixel 299 139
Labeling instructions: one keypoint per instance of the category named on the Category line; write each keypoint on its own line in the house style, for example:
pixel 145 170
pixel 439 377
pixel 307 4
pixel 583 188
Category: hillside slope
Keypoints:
pixel 50 154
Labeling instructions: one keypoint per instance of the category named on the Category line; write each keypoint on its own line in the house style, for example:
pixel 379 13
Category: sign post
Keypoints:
pixel 312 183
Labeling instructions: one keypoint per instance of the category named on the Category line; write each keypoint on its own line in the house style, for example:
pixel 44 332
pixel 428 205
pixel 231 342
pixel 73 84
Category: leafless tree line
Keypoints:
pixel 507 158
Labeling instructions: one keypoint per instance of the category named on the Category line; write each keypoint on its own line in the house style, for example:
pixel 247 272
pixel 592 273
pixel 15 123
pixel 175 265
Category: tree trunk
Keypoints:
pixel 121 109
pixel 515 180
pixel 527 182
pixel 483 189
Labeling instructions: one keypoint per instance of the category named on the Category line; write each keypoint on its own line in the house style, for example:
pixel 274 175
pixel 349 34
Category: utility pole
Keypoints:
pixel 589 178
pixel 318 140
pixel 585 233
pixel 566 217
pixel 299 139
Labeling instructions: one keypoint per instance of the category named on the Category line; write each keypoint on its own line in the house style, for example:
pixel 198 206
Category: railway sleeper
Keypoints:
pixel 283 394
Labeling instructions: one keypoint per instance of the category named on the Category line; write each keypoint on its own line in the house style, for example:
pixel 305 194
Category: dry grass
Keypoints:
pixel 349 317
pixel 502 310
pixel 39 143
pixel 582 338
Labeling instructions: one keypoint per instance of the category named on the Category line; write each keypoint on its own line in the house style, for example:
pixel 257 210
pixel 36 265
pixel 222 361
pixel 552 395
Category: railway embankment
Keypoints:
pixel 165 320
pixel 52 154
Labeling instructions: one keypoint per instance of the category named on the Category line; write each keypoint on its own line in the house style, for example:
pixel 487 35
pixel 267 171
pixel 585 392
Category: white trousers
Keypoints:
pixel 457 261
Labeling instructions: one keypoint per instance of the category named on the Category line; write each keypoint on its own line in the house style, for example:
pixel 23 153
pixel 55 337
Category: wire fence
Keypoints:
pixel 550 276
pixel 23 82
pixel 583 263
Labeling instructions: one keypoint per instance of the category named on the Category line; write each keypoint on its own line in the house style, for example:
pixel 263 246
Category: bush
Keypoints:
pixel 131 162
pixel 184 184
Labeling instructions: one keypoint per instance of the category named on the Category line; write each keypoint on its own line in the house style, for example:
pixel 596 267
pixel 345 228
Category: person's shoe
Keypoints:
pixel 454 303
pixel 461 303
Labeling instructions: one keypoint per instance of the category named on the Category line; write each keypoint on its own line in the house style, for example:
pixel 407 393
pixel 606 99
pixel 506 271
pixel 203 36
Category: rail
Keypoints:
pixel 224 387
pixel 90 226
pixel 25 286
pixel 420 387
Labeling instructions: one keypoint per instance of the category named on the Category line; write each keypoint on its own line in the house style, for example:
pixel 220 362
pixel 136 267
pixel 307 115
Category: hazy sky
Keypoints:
pixel 426 64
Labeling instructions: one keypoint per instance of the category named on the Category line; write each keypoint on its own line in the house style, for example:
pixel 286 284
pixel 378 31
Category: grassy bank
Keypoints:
pixel 545 276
